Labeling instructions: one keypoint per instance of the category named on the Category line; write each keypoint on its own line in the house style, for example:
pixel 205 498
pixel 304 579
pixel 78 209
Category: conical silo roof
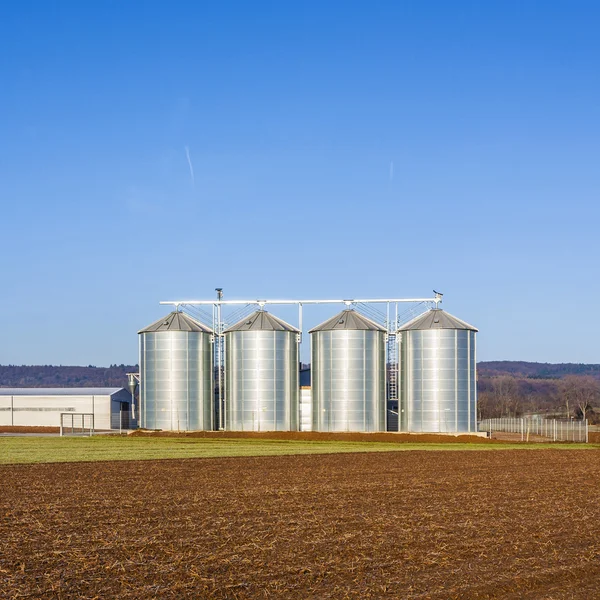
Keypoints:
pixel 436 318
pixel 348 319
pixel 176 321
pixel 261 320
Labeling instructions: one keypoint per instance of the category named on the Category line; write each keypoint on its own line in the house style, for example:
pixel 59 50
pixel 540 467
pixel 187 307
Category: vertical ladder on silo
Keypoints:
pixel 220 360
pixel 392 369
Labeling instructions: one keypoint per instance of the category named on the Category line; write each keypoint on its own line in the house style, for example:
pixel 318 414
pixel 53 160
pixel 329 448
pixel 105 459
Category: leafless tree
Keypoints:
pixel 581 392
pixel 506 394
pixel 485 406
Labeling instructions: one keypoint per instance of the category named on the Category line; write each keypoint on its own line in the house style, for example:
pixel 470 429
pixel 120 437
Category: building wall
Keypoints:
pixel 125 420
pixel 305 409
pixel 44 410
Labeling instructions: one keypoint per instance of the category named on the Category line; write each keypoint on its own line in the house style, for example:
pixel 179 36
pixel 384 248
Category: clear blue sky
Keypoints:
pixel 339 149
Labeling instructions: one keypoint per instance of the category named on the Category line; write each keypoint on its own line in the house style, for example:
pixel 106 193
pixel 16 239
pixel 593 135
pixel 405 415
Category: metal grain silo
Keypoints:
pixel 348 374
pixel 261 374
pixel 438 374
pixel 176 366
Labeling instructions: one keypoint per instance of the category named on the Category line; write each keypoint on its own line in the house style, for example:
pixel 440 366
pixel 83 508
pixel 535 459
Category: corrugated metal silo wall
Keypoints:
pixel 438 381
pixel 348 380
pixel 261 381
pixel 176 381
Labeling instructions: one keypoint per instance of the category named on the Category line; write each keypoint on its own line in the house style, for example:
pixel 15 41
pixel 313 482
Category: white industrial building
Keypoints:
pixel 42 407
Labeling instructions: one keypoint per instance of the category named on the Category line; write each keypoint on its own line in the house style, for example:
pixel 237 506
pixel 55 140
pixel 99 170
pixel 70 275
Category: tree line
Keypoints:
pixel 572 396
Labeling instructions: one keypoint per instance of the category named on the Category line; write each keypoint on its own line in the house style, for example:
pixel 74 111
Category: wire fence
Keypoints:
pixel 555 430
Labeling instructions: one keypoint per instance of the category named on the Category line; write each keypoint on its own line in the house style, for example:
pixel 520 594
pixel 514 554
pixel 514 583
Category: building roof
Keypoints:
pixel 436 318
pixel 261 320
pixel 176 321
pixel 348 319
pixel 90 391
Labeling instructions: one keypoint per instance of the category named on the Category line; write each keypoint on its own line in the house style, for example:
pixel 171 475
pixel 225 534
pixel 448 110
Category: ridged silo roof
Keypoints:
pixel 261 320
pixel 176 321
pixel 348 319
pixel 436 318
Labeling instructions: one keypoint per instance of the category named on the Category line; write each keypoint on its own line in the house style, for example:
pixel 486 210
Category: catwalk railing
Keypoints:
pixel 553 429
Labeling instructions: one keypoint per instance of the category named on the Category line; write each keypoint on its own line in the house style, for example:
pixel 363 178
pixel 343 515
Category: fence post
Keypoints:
pixel 587 431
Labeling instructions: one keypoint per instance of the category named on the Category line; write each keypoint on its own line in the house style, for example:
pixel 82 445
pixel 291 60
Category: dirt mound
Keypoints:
pixel 309 436
pixel 19 429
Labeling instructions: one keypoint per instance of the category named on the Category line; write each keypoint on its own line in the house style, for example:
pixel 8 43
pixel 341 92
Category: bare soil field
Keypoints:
pixel 427 525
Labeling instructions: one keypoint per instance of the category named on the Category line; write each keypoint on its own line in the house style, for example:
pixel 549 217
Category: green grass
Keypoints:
pixel 24 450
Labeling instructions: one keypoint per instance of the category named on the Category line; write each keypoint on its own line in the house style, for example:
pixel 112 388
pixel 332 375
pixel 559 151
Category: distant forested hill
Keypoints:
pixel 512 388
pixel 51 376
pixel 535 370
pixel 115 375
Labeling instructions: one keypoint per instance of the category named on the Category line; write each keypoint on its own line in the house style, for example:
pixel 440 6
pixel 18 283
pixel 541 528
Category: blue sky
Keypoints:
pixel 339 149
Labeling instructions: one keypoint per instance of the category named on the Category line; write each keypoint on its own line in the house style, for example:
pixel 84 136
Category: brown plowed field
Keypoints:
pixel 439 525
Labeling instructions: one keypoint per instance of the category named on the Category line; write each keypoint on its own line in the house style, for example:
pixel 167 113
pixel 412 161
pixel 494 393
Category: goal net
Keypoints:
pixel 72 423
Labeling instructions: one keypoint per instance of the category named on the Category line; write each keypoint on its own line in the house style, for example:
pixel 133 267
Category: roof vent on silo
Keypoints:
pixel 436 318
pixel 261 320
pixel 349 319
pixel 176 321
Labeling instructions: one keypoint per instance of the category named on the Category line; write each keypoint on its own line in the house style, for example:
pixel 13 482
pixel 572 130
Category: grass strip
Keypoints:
pixel 23 450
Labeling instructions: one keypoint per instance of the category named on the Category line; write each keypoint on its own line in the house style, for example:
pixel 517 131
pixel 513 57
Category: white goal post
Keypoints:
pixel 72 423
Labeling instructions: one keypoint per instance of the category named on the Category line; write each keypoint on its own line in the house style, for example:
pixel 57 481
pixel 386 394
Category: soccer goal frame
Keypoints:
pixel 72 423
